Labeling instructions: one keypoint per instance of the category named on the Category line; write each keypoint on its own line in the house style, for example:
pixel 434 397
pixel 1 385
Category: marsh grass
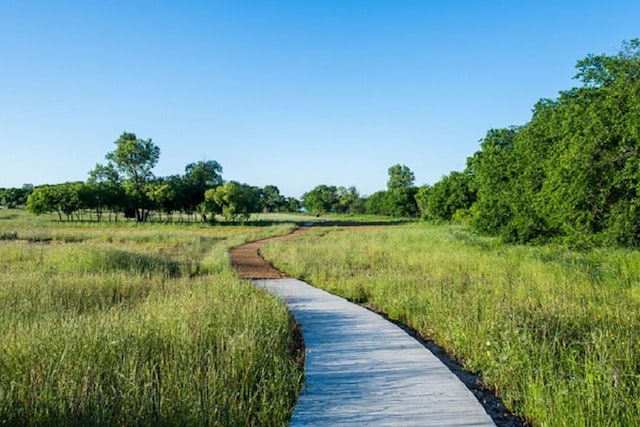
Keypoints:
pixel 138 325
pixel 553 331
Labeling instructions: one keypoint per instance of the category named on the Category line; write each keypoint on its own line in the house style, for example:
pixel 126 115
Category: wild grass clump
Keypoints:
pixel 140 326
pixel 553 331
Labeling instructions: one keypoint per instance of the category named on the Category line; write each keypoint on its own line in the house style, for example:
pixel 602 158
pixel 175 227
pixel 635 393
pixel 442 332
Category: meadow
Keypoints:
pixel 138 324
pixel 554 332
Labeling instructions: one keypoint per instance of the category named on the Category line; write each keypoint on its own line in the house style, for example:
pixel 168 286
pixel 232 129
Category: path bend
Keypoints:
pixel 361 369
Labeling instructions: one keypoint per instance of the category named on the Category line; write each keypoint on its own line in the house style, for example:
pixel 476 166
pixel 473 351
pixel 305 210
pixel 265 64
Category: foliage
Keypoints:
pixel 400 176
pixel 573 172
pixel 65 199
pixel 134 159
pixel 452 193
pixel 271 199
pixel 399 199
pixel 13 197
pixel 126 184
pixel 349 201
pixel 198 178
pixel 329 198
pixel 321 199
pixel 234 200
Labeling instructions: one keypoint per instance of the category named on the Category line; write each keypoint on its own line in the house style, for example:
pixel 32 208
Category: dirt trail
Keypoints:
pixel 246 259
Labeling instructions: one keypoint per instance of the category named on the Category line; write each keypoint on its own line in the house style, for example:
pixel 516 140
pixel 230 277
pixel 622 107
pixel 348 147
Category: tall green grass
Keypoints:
pixel 554 332
pixel 132 325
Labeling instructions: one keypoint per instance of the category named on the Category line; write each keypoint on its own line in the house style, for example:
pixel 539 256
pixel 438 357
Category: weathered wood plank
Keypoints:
pixel 361 369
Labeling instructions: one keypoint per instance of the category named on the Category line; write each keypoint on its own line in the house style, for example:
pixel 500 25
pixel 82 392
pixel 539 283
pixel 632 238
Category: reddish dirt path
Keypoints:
pixel 248 262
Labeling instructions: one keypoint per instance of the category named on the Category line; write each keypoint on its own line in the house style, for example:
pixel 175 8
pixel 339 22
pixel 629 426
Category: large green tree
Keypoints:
pixel 573 171
pixel 134 159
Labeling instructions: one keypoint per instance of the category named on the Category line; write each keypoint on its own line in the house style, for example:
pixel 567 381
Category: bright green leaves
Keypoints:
pixel 573 171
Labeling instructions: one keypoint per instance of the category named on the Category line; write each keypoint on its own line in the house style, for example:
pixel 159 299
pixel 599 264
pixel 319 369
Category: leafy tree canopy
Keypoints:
pixel 400 176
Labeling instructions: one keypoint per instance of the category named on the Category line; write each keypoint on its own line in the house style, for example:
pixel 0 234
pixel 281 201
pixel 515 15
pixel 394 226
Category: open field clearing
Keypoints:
pixel 124 324
pixel 553 331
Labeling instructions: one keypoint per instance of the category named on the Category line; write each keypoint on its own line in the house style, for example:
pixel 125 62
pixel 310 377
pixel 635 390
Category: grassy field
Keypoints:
pixel 125 324
pixel 556 333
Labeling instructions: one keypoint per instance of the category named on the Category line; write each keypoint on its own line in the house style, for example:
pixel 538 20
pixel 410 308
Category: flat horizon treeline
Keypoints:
pixel 113 324
pixel 201 191
pixel 553 331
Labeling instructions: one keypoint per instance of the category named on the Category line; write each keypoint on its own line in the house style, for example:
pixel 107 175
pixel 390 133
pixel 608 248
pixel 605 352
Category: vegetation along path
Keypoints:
pixel 361 369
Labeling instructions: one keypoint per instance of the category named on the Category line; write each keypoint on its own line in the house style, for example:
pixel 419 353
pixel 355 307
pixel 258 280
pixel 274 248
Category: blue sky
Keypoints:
pixel 289 93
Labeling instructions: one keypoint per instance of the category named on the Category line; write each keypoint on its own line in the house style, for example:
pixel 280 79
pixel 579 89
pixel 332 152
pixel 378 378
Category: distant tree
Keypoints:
pixel 198 178
pixel 180 200
pixel 234 200
pixel 400 176
pixel 402 202
pixel 105 191
pixel 422 200
pixel 399 198
pixel 293 204
pixel 378 204
pixel 61 198
pixel 161 195
pixel 135 159
pixel 43 199
pixel 210 207
pixel 271 199
pixel 14 197
pixel 322 199
pixel 349 201
pixel 70 202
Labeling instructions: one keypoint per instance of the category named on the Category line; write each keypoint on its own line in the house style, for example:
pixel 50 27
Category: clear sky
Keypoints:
pixel 293 93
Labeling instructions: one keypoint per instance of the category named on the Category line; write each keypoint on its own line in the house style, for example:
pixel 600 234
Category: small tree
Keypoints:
pixel 198 178
pixel 399 199
pixel 61 198
pixel 235 201
pixel 322 199
pixel 400 176
pixel 271 199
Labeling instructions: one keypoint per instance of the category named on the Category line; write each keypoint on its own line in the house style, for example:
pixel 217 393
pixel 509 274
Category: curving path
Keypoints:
pixel 361 369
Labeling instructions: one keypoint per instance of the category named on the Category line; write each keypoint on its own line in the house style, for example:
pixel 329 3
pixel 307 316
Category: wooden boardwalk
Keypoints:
pixel 361 369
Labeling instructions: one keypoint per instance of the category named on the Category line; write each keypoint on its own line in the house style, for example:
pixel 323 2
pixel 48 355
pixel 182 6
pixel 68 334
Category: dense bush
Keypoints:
pixel 572 173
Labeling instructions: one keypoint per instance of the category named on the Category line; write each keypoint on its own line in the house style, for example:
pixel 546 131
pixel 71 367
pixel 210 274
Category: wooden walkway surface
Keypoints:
pixel 361 369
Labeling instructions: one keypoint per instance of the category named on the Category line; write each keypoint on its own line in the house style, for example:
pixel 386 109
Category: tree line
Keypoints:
pixel 571 174
pixel 126 186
